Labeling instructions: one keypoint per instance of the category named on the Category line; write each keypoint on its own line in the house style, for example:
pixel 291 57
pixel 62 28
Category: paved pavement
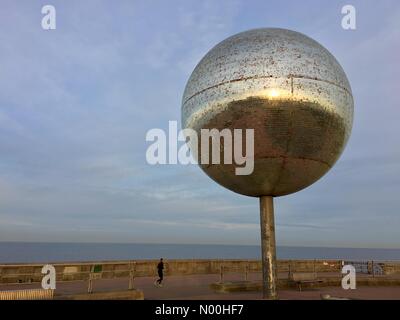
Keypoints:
pixel 197 287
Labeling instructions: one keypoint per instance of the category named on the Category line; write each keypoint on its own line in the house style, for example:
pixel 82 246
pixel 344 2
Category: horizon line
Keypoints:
pixel 198 244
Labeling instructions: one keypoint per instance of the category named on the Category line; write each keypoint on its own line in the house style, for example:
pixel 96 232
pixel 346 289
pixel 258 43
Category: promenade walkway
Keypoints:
pixel 197 287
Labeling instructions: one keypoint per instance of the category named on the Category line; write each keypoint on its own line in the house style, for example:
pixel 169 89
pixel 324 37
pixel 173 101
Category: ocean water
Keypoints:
pixel 29 252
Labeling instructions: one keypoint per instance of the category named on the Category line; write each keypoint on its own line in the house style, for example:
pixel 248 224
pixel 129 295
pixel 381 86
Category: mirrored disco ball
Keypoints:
pixel 290 90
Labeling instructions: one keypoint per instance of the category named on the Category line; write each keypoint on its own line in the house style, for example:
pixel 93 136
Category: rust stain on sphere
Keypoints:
pixel 290 90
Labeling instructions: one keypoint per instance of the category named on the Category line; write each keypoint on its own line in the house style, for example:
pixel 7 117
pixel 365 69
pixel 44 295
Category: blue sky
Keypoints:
pixel 76 103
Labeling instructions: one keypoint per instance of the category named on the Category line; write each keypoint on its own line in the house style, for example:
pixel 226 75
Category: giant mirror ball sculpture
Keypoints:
pixel 290 90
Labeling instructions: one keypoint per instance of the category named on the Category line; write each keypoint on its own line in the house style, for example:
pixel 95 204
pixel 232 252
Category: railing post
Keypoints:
pixel 221 273
pixel 132 270
pixel 90 284
pixel 373 269
pixel 246 271
pixel 314 266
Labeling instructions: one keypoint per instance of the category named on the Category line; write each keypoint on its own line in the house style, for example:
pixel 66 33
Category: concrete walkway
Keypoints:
pixel 197 287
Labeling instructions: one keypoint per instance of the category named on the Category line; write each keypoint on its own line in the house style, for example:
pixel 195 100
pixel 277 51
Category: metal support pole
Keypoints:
pixel 268 247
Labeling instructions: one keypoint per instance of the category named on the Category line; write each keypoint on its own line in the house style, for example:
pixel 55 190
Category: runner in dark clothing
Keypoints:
pixel 160 268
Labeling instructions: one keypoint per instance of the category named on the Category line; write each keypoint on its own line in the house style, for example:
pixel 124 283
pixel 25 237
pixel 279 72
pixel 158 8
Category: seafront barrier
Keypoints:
pixel 74 271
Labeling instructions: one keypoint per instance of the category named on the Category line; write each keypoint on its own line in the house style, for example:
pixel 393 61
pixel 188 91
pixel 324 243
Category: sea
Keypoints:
pixel 32 252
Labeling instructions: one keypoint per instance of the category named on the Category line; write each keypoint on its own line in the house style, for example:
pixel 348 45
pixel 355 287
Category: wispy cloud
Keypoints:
pixel 75 105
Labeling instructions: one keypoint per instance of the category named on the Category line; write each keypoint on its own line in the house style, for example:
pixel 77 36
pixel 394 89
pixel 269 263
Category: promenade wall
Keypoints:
pixel 27 273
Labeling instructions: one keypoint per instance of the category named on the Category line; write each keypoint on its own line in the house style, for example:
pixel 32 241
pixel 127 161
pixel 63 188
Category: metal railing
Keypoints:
pixel 366 267
pixel 243 269
pixel 133 269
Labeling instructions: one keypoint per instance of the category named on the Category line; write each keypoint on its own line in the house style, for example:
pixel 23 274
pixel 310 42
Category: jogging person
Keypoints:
pixel 160 268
